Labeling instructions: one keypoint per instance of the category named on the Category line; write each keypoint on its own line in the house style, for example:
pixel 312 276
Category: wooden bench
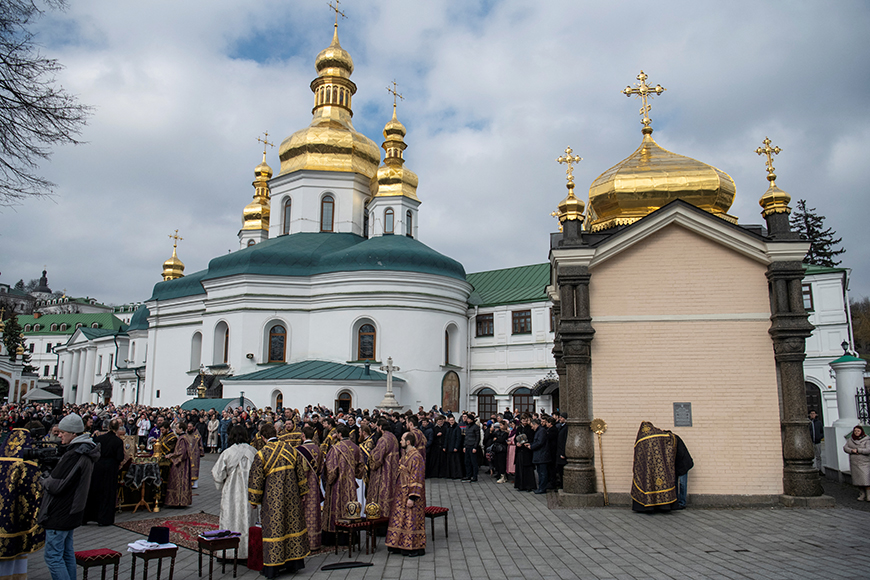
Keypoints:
pixel 157 554
pixel 212 545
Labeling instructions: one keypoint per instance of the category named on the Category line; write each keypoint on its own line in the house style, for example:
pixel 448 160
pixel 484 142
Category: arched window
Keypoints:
pixel 285 225
pixel 221 353
pixel 328 95
pixel 27 328
pixel 277 342
pixel 486 403
pixel 195 351
pixel 365 223
pixel 388 220
pixel 279 401
pixel 63 327
pixel 524 400
pixel 366 342
pixel 54 327
pixel 251 243
pixel 79 324
pixel 409 224
pixel 95 325
pixel 327 207
pixel 446 347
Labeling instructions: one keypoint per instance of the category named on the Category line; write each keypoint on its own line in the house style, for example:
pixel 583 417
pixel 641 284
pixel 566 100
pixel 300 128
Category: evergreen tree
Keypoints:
pixel 19 285
pixel 806 221
pixel 12 338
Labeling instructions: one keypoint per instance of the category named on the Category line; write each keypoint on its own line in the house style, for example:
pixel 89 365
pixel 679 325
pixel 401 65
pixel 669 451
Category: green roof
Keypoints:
pixel 106 320
pixel 217 404
pixel 314 370
pixel 308 254
pixel 510 286
pixel 813 269
pixel 92 333
pixel 139 320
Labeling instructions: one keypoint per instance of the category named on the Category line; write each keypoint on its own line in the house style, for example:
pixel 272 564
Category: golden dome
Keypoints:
pixel 393 178
pixel 330 143
pixel 256 214
pixel 652 177
pixel 774 200
pixel 570 208
pixel 173 267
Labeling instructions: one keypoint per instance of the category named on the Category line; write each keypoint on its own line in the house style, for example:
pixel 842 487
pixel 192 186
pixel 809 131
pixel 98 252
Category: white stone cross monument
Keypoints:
pixel 390 401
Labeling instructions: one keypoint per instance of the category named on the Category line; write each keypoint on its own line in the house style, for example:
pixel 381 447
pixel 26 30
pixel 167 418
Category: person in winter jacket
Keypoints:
pixel 65 497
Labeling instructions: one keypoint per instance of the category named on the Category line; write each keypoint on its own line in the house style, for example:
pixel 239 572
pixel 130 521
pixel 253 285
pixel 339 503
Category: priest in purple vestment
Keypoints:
pixel 406 533
pixel 343 467
pixel 310 452
pixel 383 469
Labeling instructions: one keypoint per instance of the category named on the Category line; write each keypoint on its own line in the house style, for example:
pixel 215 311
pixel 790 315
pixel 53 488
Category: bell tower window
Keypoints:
pixel 389 220
pixel 327 206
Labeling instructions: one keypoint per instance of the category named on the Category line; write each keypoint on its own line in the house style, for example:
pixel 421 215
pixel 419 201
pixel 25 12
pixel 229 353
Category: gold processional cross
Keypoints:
pixel 770 152
pixel 337 11
pixel 644 91
pixel 394 93
pixel 265 142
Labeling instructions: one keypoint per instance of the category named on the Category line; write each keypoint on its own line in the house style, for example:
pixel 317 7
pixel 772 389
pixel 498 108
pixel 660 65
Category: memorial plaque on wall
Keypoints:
pixel 682 414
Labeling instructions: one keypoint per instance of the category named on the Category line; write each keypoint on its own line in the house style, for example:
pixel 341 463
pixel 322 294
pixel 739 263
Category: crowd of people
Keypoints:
pixel 300 467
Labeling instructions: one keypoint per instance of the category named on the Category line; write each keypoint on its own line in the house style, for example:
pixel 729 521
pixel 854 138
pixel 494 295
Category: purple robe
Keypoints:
pixel 310 452
pixel 343 467
pixel 178 492
pixel 407 528
pixel 383 470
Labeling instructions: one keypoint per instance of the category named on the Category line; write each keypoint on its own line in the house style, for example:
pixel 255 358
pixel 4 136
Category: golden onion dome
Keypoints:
pixel 330 143
pixel 570 208
pixel 173 267
pixel 334 60
pixel 256 214
pixel 774 200
pixel 393 178
pixel 652 177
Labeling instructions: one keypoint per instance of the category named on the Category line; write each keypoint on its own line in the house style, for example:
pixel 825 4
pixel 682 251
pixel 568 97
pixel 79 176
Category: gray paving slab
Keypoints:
pixel 497 532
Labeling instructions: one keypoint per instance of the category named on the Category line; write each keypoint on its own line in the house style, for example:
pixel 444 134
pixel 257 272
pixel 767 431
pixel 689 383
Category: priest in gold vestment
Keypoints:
pixel 277 482
pixel 406 532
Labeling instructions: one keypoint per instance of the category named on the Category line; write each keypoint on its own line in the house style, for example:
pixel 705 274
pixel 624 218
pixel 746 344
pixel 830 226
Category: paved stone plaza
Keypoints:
pixel 496 532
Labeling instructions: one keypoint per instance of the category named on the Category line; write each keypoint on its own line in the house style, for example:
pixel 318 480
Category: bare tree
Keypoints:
pixel 35 113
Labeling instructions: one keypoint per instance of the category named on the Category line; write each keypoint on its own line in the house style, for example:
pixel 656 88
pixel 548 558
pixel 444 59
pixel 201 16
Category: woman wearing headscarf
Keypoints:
pixel 858 448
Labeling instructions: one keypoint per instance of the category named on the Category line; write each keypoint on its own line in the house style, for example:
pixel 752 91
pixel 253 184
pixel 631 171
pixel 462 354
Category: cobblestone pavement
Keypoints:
pixel 497 532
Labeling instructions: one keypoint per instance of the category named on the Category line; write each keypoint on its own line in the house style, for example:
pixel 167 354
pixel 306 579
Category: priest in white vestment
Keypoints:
pixel 231 478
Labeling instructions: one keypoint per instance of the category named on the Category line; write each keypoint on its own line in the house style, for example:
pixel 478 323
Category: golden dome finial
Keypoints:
pixel 570 208
pixel 256 214
pixel 774 199
pixel 265 142
pixel 173 267
pixel 644 91
pixel 395 96
pixel 337 14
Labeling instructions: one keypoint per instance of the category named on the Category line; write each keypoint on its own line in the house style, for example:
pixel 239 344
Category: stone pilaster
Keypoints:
pixel 789 330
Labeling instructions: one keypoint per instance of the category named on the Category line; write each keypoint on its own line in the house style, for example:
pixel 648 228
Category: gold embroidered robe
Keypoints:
pixel 407 527
pixel 277 482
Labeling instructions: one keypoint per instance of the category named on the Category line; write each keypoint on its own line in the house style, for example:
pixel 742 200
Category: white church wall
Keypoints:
pixel 306 190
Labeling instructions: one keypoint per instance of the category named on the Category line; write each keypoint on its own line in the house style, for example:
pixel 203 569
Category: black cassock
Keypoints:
pixel 104 482
pixel 455 462
pixel 436 456
pixel 524 470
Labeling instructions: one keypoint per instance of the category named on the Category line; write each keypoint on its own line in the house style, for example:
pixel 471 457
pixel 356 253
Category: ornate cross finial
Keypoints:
pixel 337 11
pixel 265 142
pixel 645 92
pixel 570 160
pixel 394 93
pixel 176 237
pixel 770 152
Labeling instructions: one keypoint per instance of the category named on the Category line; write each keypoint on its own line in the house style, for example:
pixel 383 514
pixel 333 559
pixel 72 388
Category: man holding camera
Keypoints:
pixel 66 493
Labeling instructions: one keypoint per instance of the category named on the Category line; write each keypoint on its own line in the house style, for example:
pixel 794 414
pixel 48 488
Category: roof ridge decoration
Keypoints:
pixel 774 199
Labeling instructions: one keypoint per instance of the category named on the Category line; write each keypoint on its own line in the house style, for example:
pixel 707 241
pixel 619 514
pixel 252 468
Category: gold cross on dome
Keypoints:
pixel 645 92
pixel 176 237
pixel 570 160
pixel 265 142
pixel 394 93
pixel 337 11
pixel 770 152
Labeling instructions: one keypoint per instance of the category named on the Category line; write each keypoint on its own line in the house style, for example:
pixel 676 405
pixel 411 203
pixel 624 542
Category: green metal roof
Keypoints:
pixel 92 333
pixel 510 285
pixel 106 320
pixel 216 404
pixel 314 370
pixel 308 254
pixel 139 320
pixel 813 269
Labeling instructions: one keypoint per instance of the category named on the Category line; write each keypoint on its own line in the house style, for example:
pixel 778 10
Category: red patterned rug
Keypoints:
pixel 183 530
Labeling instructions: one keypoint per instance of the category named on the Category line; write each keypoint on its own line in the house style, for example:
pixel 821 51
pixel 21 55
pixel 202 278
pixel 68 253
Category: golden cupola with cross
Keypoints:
pixel 255 216
pixel 652 177
pixel 330 143
pixel 173 267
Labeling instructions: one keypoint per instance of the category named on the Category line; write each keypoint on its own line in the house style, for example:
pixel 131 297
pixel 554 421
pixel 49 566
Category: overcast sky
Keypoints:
pixel 494 92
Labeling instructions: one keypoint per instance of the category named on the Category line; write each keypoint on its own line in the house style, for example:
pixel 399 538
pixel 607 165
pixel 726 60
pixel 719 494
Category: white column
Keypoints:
pixel 80 380
pixel 90 369
pixel 850 377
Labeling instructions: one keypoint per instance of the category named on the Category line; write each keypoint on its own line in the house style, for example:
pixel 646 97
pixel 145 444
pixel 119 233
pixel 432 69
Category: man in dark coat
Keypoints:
pixel 682 464
pixel 561 456
pixel 104 480
pixel 65 495
pixel 472 440
pixel 553 444
pixel 540 454
pixel 817 432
